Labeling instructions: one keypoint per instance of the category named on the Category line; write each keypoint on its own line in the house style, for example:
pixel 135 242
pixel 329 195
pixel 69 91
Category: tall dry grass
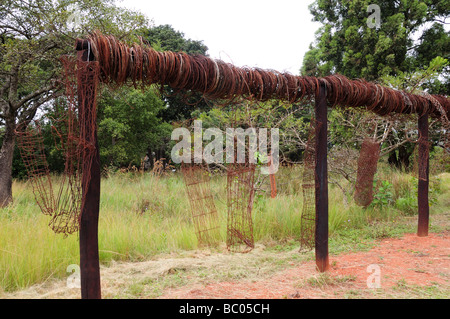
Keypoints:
pixel 142 215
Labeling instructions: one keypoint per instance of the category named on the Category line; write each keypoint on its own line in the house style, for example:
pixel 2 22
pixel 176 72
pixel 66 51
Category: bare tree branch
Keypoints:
pixel 32 96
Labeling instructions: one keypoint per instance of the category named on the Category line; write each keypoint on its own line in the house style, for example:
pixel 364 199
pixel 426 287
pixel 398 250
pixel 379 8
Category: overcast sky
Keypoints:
pixel 270 34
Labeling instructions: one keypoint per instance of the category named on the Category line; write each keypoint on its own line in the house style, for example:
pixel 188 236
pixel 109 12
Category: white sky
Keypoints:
pixel 270 34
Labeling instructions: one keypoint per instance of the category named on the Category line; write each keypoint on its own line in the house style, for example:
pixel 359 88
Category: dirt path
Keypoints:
pixel 407 267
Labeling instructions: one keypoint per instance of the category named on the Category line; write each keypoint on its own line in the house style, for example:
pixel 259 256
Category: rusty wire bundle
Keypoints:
pixel 215 79
pixel 203 210
pixel 87 87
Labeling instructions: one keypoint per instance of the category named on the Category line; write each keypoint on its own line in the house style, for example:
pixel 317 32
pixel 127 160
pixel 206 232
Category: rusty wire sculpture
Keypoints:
pixel 116 63
pixel 203 210
pixel 308 218
pixel 240 198
pixel 367 167
pixel 444 120
pixel 105 59
pixel 61 203
pixel 215 79
pixel 64 202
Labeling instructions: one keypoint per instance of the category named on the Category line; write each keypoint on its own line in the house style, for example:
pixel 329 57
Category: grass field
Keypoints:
pixel 142 216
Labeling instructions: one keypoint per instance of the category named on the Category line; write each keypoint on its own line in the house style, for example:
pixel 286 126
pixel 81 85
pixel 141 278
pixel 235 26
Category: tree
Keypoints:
pixel 166 37
pixel 346 44
pixel 407 42
pixel 33 36
pixel 129 126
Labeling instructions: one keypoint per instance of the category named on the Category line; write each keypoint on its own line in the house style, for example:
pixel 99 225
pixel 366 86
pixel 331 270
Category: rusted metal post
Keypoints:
pixel 321 180
pixel 422 191
pixel 88 234
pixel 273 182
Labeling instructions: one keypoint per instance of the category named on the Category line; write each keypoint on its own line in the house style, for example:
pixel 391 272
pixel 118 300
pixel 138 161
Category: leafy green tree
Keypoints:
pixel 346 44
pixel 166 37
pixel 407 50
pixel 129 126
pixel 33 36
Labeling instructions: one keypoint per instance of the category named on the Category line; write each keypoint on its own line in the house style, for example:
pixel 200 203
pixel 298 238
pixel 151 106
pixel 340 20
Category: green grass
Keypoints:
pixel 142 216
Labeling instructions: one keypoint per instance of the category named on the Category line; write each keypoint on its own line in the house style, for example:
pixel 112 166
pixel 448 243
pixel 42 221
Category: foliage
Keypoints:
pixel 128 125
pixel 292 120
pixel 400 192
pixel 383 194
pixel 418 80
pixel 165 37
pixel 346 44
pixel 33 36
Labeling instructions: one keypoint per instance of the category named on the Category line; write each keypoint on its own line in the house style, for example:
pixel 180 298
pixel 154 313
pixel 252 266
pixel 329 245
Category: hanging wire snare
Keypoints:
pixel 204 212
pixel 240 198
pixel 63 199
pixel 308 219
pixel 367 167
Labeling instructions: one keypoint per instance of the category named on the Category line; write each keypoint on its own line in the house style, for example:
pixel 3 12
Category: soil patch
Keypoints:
pixel 407 267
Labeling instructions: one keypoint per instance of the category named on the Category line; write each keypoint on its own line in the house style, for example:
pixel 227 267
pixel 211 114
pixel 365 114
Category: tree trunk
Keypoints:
pixel 392 160
pixel 6 158
pixel 404 157
pixel 151 159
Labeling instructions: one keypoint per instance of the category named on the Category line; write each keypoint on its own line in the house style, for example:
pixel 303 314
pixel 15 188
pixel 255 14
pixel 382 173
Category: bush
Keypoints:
pixel 383 195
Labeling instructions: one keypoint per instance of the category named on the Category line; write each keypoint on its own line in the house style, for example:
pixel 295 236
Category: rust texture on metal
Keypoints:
pixel 139 64
pixel 422 191
pixel 308 218
pixel 367 167
pixel 61 201
pixel 321 177
pixel 240 198
pixel 203 210
pixel 87 76
pixel 273 181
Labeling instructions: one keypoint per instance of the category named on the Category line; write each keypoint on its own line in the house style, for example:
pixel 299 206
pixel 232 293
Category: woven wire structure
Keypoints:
pixel 88 73
pixel 63 202
pixel 308 218
pixel 204 212
pixel 31 146
pixel 423 155
pixel 367 167
pixel 240 198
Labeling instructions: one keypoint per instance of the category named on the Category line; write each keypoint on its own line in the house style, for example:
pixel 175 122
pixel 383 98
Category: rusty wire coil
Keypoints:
pixel 139 64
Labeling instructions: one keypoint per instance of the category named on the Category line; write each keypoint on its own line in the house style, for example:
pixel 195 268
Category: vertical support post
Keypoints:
pixel 422 191
pixel 321 179
pixel 88 233
pixel 273 182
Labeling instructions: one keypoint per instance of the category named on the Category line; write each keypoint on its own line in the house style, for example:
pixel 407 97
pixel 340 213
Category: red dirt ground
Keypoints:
pixel 409 261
